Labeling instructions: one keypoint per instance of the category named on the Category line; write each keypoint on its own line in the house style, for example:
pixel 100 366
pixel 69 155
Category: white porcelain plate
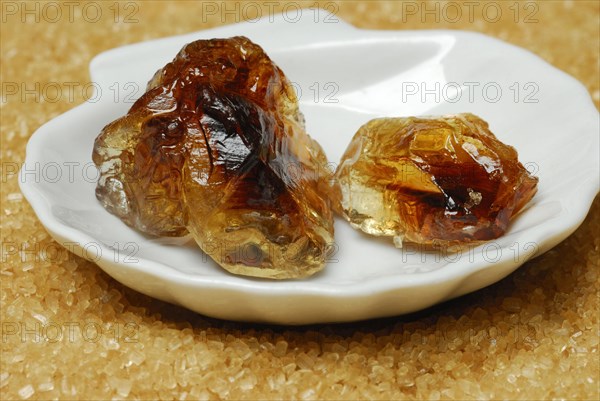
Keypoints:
pixel 345 77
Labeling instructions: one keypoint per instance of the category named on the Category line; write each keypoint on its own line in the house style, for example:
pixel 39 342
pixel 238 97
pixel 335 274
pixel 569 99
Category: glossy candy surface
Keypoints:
pixel 217 147
pixel 440 180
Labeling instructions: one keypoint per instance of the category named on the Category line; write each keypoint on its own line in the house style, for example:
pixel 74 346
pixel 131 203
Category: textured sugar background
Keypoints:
pixel 533 335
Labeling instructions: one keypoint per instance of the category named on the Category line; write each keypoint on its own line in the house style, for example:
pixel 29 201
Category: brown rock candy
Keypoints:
pixel 431 180
pixel 217 147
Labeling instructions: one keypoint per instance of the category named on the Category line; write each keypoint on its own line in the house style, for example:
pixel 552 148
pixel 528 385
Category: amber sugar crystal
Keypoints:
pixel 434 181
pixel 216 147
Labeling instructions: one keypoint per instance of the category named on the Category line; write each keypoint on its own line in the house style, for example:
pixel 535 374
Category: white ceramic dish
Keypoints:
pixel 546 114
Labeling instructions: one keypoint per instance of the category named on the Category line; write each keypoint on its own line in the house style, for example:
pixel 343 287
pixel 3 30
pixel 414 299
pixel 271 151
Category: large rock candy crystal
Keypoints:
pixel 216 147
pixel 439 181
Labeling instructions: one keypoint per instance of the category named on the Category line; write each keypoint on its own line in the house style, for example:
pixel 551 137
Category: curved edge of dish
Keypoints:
pixel 173 286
